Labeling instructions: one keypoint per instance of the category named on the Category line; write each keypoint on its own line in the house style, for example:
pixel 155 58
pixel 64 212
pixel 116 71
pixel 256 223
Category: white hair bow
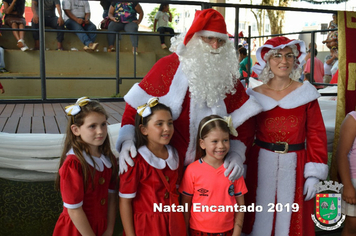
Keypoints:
pixel 227 120
pixel 74 109
pixel 145 110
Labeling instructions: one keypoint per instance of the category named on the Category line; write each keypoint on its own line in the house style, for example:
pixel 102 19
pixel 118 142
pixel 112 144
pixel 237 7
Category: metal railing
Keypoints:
pixel 118 78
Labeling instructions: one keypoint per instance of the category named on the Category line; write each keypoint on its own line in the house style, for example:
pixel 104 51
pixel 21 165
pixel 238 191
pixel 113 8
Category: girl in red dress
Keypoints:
pixel 150 185
pixel 87 173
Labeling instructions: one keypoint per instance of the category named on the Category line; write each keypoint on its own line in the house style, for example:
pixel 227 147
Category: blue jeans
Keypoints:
pixel 2 60
pixel 128 27
pixel 51 22
pixel 84 37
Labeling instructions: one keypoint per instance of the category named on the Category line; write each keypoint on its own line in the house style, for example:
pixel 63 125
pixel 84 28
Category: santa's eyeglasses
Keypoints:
pixel 212 40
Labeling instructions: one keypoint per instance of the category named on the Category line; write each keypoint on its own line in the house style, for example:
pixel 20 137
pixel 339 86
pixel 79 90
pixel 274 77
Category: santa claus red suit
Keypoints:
pixel 180 83
pixel 279 181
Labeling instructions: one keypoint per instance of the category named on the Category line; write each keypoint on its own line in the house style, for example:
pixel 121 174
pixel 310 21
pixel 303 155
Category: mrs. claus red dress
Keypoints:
pixel 274 178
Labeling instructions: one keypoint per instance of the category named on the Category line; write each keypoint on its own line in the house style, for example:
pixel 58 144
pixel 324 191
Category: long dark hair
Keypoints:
pixel 78 145
pixel 141 139
pixel 203 132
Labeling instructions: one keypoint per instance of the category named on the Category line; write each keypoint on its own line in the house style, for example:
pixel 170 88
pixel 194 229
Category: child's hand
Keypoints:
pixel 2 90
pixel 349 194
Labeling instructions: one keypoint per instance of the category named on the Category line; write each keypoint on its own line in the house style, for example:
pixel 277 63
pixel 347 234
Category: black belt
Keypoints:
pixel 280 147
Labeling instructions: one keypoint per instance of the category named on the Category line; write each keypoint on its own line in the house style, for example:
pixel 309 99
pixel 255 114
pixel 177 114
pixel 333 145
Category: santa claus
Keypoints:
pixel 199 79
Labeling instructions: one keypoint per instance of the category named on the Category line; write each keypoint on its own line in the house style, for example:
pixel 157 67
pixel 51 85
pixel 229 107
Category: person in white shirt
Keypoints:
pixel 162 18
pixel 77 17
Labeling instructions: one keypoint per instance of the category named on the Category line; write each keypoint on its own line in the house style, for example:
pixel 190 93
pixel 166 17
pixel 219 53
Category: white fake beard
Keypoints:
pixel 211 73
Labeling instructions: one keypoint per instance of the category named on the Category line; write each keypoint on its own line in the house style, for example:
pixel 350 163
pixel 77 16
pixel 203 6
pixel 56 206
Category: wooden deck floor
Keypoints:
pixel 46 118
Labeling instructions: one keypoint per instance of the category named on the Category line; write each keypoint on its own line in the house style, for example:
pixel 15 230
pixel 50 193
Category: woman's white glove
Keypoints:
pixel 233 163
pixel 309 188
pixel 128 146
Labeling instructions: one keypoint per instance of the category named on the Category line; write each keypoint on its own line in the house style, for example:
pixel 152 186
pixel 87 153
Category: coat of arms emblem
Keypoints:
pixel 328 214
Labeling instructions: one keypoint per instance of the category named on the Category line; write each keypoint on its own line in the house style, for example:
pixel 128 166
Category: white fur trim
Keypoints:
pixel 127 132
pixel 127 195
pixel 300 96
pixel 266 192
pixel 286 183
pixel 318 170
pixel 174 98
pixel 207 33
pixel 73 206
pixel 249 109
pixel 238 147
pixel 276 173
pixel 172 161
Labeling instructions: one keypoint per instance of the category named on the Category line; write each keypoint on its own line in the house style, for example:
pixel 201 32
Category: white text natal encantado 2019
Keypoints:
pixel 198 207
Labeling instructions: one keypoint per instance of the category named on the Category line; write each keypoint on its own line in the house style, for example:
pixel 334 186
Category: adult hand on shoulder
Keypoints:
pixel 309 188
pixel 128 147
pixel 234 164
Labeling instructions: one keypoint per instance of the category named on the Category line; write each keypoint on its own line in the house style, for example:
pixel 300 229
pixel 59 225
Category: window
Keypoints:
pixel 242 25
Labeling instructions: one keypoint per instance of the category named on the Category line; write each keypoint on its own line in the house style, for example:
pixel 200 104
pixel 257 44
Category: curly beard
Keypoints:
pixel 211 73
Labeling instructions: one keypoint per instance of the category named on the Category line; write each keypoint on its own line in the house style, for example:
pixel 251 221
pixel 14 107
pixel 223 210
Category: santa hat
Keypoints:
pixel 209 23
pixel 278 43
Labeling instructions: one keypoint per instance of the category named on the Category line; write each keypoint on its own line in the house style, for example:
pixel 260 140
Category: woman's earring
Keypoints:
pixel 270 74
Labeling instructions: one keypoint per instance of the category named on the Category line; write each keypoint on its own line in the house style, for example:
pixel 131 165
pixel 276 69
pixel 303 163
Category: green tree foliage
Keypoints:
pixel 152 14
pixel 276 18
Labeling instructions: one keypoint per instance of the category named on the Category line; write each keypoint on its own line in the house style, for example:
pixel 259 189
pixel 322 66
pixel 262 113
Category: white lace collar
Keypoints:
pixel 99 161
pixel 300 96
pixel 172 161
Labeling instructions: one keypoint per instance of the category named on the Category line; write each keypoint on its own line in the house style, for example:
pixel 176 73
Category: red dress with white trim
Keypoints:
pixel 94 200
pixel 274 178
pixel 142 183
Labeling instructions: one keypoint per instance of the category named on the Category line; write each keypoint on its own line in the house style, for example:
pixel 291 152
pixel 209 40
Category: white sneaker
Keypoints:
pixel 24 48
pixel 93 46
pixel 20 43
